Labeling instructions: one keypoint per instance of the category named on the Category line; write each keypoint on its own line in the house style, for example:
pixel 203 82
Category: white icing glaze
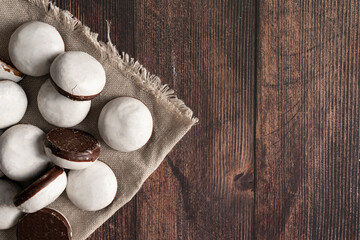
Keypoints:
pixel 92 188
pixel 22 156
pixel 59 110
pixel 13 103
pixel 7 72
pixel 33 47
pixel 9 214
pixel 46 195
pixel 78 73
pixel 125 124
pixel 64 163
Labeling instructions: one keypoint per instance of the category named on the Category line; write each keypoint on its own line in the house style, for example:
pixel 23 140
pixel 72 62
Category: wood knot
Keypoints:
pixel 244 181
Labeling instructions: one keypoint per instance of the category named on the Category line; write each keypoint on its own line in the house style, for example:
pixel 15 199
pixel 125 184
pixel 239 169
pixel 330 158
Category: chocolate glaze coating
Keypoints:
pixel 36 186
pixel 73 145
pixel 71 96
pixel 44 224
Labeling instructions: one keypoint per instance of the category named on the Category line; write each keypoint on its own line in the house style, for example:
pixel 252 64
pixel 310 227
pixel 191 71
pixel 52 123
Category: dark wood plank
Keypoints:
pixel 307 130
pixel 93 13
pixel 120 13
pixel 205 51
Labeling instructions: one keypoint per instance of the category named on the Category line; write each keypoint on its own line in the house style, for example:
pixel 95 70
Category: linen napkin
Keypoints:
pixel 125 77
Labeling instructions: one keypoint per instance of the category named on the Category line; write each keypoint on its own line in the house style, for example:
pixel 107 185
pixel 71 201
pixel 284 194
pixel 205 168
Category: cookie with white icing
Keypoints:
pixel 33 46
pixel 59 110
pixel 9 72
pixel 92 188
pixel 43 191
pixel 125 124
pixel 22 156
pixel 13 103
pixel 9 214
pixel 78 75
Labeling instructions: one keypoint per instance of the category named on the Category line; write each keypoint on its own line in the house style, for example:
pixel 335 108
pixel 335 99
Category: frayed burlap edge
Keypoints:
pixel 130 68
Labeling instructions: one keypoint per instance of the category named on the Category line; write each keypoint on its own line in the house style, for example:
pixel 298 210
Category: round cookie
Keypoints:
pixel 1 174
pixel 45 224
pixel 43 191
pixel 13 103
pixel 77 75
pixel 33 46
pixel 125 124
pixel 92 188
pixel 22 156
pixel 71 148
pixel 9 72
pixel 9 214
pixel 59 110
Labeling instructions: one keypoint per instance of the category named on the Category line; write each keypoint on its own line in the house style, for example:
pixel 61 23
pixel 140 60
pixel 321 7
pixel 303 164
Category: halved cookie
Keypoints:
pixel 43 191
pixel 71 148
pixel 9 72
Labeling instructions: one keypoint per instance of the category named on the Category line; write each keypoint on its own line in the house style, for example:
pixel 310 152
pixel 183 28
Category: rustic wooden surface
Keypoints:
pixel 276 87
pixel 205 50
pixel 307 125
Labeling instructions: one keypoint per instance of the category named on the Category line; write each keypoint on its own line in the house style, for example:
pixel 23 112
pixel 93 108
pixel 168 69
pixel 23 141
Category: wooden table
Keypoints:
pixel 275 84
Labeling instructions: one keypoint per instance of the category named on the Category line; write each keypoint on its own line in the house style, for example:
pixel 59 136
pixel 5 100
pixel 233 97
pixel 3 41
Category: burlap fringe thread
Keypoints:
pixel 132 69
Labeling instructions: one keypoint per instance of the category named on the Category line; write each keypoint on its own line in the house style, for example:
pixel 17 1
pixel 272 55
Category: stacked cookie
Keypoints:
pixel 36 160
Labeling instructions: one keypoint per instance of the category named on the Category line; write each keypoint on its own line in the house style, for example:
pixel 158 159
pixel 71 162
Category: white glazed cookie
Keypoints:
pixel 125 124
pixel 59 110
pixel 8 72
pixel 9 214
pixel 92 188
pixel 33 46
pixel 43 191
pixel 13 103
pixel 22 156
pixel 78 75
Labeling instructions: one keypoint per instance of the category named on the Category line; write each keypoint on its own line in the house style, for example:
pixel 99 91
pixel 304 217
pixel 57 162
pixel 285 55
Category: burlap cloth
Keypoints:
pixel 172 119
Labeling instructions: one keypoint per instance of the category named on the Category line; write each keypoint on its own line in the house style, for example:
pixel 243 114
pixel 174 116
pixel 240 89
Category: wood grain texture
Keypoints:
pixel 307 129
pixel 205 51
